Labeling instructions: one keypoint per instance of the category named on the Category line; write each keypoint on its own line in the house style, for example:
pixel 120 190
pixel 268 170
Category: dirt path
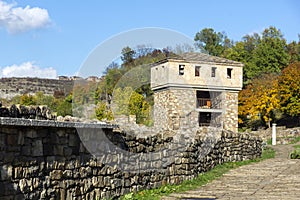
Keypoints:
pixel 277 178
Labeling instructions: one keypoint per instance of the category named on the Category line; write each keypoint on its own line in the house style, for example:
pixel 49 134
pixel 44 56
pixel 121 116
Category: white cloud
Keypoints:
pixel 18 19
pixel 27 69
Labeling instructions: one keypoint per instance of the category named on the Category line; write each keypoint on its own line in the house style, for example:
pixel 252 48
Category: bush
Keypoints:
pixel 295 154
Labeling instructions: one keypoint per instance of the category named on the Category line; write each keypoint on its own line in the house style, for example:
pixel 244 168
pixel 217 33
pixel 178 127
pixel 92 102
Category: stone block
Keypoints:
pixel 37 149
pixel 12 139
pixel 67 151
pixel 26 150
pixel 31 133
pixel 56 174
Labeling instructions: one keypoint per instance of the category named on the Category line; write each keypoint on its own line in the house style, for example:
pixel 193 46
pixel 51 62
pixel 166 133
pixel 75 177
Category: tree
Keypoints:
pixel 214 43
pixel 251 42
pixel 293 49
pixel 261 54
pixel 260 100
pixel 27 100
pixel 65 106
pixel 128 55
pixel 139 107
pixel 128 102
pixel 111 79
pixel 270 55
pixel 103 112
pixel 289 88
pixel 112 65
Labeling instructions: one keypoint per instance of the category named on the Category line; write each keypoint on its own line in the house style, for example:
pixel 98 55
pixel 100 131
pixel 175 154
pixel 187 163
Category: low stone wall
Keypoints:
pixel 53 160
pixel 27 112
pixel 284 135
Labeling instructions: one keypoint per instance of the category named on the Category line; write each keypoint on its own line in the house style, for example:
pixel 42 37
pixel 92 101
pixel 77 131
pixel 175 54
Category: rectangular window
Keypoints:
pixel 197 70
pixel 181 69
pixel 213 71
pixel 229 73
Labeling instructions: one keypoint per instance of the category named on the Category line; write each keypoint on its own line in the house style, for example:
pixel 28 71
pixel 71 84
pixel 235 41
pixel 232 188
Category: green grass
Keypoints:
pixel 296 153
pixel 202 179
pixel 295 140
pixel 297 146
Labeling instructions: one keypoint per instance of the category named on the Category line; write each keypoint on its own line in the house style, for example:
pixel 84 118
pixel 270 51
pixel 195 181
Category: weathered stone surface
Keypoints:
pixel 51 162
pixel 17 86
pixel 56 174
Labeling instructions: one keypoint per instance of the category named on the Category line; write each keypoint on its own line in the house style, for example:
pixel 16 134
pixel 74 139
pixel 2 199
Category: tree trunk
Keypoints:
pixel 269 123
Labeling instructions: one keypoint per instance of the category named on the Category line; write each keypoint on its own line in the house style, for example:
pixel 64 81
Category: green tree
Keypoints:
pixel 293 49
pixel 48 100
pixel 265 53
pixel 128 102
pixel 128 56
pixel 103 112
pixel 27 100
pixel 64 107
pixel 213 42
pixel 111 79
pixel 270 55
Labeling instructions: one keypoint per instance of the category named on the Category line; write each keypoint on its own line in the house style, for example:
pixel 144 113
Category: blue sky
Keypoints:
pixel 55 37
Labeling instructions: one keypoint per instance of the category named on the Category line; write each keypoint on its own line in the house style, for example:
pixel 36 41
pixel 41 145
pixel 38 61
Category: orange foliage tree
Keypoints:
pixel 259 100
pixel 289 88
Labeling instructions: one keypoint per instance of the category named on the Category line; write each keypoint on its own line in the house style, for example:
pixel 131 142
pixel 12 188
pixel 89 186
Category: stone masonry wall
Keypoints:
pixel 10 87
pixel 175 108
pixel 48 160
pixel 231 111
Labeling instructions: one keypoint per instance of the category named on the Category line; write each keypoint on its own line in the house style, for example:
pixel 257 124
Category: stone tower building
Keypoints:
pixel 196 89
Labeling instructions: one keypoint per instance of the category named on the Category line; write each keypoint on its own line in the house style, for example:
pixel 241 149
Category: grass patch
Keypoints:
pixel 296 153
pixel 295 140
pixel 296 146
pixel 202 179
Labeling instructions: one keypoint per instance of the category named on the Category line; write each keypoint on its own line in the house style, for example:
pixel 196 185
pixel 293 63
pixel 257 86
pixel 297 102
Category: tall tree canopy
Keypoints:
pixel 261 53
pixel 293 49
pixel 213 42
pixel 289 88
pixel 270 55
pixel 259 100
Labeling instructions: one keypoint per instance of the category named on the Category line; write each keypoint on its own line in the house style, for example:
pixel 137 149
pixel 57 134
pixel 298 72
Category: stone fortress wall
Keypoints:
pixel 45 159
pixel 10 87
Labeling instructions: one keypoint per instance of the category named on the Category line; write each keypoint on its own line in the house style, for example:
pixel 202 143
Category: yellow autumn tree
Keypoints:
pixel 289 88
pixel 259 100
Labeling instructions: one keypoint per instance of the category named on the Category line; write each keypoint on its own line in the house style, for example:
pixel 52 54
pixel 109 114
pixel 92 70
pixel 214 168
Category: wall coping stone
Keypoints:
pixel 8 121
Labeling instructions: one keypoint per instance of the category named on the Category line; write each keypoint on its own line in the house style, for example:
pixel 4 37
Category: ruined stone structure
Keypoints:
pixel 196 89
pixel 46 159
pixel 10 87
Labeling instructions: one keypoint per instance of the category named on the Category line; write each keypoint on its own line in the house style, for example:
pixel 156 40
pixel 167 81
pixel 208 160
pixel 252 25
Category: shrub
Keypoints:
pixel 295 154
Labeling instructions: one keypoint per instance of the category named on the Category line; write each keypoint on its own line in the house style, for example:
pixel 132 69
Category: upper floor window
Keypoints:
pixel 181 69
pixel 213 71
pixel 197 70
pixel 229 73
